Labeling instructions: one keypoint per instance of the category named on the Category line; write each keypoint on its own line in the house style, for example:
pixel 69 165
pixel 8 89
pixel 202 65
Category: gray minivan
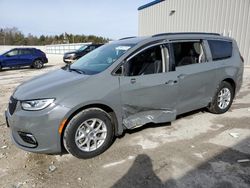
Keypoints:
pixel 123 85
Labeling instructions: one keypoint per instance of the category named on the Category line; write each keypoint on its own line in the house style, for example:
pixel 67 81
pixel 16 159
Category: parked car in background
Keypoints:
pixel 70 57
pixel 19 57
pixel 123 85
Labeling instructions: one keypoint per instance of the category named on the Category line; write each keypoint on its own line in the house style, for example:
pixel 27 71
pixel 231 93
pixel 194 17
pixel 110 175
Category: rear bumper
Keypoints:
pixel 45 60
pixel 239 79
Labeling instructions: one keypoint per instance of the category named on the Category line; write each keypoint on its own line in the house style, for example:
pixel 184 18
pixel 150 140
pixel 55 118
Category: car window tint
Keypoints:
pixel 12 53
pixel 92 48
pixel 24 51
pixel 148 61
pixel 220 49
pixel 186 53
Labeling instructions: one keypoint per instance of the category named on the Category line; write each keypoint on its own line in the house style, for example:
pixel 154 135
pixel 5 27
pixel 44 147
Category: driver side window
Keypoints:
pixel 12 53
pixel 146 62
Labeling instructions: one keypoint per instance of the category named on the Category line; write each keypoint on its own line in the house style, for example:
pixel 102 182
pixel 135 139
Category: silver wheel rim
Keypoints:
pixel 90 135
pixel 224 98
pixel 38 64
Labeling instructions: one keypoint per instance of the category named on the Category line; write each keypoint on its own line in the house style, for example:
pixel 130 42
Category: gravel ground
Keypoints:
pixel 199 149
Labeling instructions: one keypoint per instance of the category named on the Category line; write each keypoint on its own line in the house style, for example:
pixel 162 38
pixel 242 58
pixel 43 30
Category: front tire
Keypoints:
pixel 223 99
pixel 88 134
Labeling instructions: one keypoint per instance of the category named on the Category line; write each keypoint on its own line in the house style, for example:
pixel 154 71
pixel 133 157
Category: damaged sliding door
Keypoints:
pixel 149 94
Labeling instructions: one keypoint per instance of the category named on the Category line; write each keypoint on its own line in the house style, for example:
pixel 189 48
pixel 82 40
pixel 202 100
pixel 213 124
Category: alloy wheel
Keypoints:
pixel 91 135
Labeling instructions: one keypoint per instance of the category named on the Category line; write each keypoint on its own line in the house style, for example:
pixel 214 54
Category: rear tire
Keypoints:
pixel 223 99
pixel 38 64
pixel 88 134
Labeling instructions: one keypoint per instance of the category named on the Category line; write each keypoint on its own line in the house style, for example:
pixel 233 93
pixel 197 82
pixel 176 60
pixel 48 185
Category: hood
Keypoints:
pixel 54 84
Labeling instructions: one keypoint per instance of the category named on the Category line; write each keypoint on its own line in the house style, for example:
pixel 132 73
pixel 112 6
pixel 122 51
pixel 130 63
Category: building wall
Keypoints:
pixel 228 17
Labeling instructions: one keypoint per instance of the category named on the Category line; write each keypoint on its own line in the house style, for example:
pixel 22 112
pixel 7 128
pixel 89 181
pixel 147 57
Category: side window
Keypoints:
pixel 12 53
pixel 24 52
pixel 148 61
pixel 220 49
pixel 186 53
pixel 91 48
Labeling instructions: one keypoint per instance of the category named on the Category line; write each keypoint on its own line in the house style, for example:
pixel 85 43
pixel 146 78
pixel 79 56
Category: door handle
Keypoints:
pixel 181 76
pixel 171 82
pixel 133 80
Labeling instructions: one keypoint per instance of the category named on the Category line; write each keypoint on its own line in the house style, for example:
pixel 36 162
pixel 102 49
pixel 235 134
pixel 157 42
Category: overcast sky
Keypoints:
pixel 108 18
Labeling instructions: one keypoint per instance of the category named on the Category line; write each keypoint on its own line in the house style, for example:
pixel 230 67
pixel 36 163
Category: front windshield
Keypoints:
pixel 101 58
pixel 82 48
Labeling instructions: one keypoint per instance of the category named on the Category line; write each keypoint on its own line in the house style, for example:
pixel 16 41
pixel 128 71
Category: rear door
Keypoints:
pixel 196 74
pixel 11 58
pixel 26 56
pixel 148 90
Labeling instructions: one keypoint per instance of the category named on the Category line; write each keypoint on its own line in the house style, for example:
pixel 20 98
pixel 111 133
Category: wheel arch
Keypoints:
pixel 231 82
pixel 107 109
pixel 37 58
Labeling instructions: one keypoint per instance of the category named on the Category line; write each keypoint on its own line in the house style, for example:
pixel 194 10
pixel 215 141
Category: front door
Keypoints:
pixel 11 58
pixel 148 91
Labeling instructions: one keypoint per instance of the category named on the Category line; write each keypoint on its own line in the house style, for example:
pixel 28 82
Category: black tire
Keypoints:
pixel 214 106
pixel 38 64
pixel 76 122
pixel 0 68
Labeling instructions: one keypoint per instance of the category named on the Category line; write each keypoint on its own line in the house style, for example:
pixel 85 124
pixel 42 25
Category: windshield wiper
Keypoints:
pixel 78 71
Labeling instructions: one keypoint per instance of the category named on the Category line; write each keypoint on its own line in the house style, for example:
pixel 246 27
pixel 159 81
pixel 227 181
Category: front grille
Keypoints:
pixel 12 105
pixel 28 138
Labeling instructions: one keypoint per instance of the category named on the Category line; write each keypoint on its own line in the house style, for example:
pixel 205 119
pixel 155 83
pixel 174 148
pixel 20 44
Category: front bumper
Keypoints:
pixel 39 126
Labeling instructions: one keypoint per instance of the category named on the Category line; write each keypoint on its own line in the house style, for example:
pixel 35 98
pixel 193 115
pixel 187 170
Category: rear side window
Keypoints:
pixel 92 48
pixel 25 51
pixel 220 49
pixel 187 53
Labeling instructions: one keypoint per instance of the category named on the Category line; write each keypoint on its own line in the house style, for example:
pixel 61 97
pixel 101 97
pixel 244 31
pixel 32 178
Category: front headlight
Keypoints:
pixel 33 105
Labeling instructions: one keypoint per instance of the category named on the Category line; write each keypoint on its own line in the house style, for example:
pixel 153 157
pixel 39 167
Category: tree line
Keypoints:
pixel 12 36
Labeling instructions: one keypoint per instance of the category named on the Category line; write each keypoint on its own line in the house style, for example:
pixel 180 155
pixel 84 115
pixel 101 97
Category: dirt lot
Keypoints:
pixel 199 149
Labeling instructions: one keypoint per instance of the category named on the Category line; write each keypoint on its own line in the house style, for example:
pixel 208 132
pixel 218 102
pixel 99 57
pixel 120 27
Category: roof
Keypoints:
pixel 170 36
pixel 150 4
pixel 130 40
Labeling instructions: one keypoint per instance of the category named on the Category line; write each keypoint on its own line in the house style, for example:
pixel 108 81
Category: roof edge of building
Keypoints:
pixel 149 4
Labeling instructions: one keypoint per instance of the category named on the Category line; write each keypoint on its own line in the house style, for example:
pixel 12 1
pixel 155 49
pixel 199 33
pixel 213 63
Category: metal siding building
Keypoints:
pixel 227 17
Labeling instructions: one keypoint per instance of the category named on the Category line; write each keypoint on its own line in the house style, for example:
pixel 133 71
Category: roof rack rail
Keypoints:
pixel 182 33
pixel 127 38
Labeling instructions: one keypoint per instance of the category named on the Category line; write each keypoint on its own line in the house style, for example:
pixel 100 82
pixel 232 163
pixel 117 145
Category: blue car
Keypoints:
pixel 18 57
